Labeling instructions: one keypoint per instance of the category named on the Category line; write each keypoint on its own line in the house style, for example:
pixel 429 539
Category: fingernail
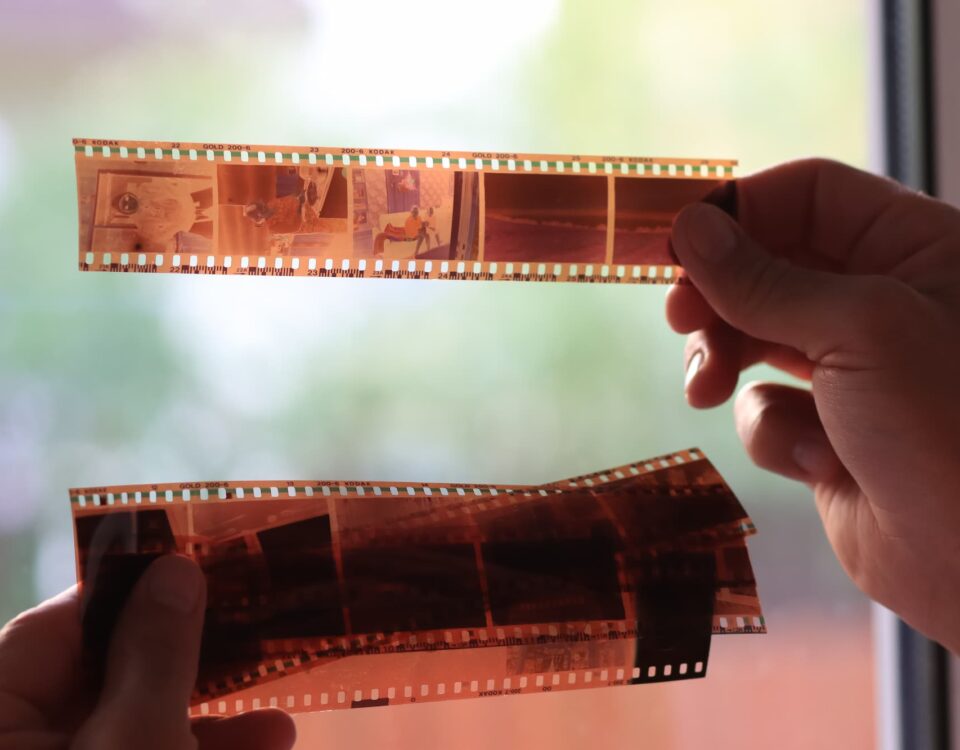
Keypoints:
pixel 175 582
pixel 709 232
pixel 815 458
pixel 692 367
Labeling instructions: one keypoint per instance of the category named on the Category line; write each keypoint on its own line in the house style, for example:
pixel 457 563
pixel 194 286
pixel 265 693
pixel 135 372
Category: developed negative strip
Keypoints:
pixel 296 604
pixel 425 514
pixel 435 502
pixel 329 212
pixel 293 687
pixel 699 479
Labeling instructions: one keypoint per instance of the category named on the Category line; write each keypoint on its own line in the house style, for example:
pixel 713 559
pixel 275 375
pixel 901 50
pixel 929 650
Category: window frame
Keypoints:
pixel 919 146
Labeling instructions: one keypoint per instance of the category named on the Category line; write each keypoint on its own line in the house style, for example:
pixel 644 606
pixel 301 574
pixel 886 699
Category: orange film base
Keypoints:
pixel 327 595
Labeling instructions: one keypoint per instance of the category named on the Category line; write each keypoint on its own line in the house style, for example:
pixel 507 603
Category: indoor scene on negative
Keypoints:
pixel 407 214
pixel 283 210
pixel 146 208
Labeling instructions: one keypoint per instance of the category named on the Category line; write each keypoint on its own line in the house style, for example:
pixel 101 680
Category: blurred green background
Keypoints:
pixel 109 378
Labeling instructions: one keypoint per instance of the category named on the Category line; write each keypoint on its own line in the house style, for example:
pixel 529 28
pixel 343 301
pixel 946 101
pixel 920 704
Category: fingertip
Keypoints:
pixel 262 729
pixel 286 731
pixel 711 369
pixel 154 649
pixel 703 235
pixel 815 457
pixel 781 431
pixel 279 726
pixel 685 215
pixel 686 309
pixel 176 582
pixel 679 244
pixel 747 409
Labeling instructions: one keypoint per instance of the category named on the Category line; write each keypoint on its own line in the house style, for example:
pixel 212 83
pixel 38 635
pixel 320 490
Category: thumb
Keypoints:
pixel 152 663
pixel 768 297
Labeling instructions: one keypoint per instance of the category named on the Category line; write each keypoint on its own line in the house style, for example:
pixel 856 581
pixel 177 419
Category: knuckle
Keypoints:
pixel 829 174
pixel 821 171
pixel 828 169
pixel 762 286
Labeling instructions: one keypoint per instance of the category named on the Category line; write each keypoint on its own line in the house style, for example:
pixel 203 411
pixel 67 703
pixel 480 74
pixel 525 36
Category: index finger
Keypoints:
pixel 814 212
pixel 824 214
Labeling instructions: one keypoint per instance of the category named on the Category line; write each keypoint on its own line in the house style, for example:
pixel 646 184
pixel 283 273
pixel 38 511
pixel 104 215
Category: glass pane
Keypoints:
pixel 123 378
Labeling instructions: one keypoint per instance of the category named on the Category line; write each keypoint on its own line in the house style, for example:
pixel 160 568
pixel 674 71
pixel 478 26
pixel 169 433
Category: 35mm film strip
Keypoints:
pixel 351 594
pixel 215 208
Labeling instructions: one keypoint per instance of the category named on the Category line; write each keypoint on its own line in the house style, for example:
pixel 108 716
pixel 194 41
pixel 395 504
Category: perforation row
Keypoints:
pixel 377 267
pixel 641 169
pixel 641 467
pixel 721 625
pixel 179 493
pixel 487 687
pixel 186 494
pixel 514 635
pixel 427 516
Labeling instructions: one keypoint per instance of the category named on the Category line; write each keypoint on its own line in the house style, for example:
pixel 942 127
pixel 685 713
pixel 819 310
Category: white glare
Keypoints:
pixel 383 55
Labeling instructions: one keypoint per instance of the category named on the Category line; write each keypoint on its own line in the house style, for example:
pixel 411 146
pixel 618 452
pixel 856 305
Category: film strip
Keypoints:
pixel 214 208
pixel 682 475
pixel 350 594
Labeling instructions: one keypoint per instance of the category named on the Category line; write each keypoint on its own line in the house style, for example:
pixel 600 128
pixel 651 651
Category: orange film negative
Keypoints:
pixel 214 208
pixel 326 595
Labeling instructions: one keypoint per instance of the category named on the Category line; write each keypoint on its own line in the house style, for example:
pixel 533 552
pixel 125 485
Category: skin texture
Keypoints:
pixel 851 282
pixel 150 671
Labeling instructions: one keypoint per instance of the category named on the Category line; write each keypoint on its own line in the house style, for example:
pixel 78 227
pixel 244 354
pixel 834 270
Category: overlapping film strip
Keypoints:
pixel 328 595
pixel 213 208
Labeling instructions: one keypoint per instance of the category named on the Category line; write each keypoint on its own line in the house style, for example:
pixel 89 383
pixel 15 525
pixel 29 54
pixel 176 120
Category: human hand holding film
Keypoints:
pixel 851 282
pixel 150 672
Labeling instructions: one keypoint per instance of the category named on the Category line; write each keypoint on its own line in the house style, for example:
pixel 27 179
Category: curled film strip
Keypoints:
pixel 214 208
pixel 332 595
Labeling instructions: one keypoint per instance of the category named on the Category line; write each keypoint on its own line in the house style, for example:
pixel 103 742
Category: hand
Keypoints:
pixel 150 672
pixel 852 282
